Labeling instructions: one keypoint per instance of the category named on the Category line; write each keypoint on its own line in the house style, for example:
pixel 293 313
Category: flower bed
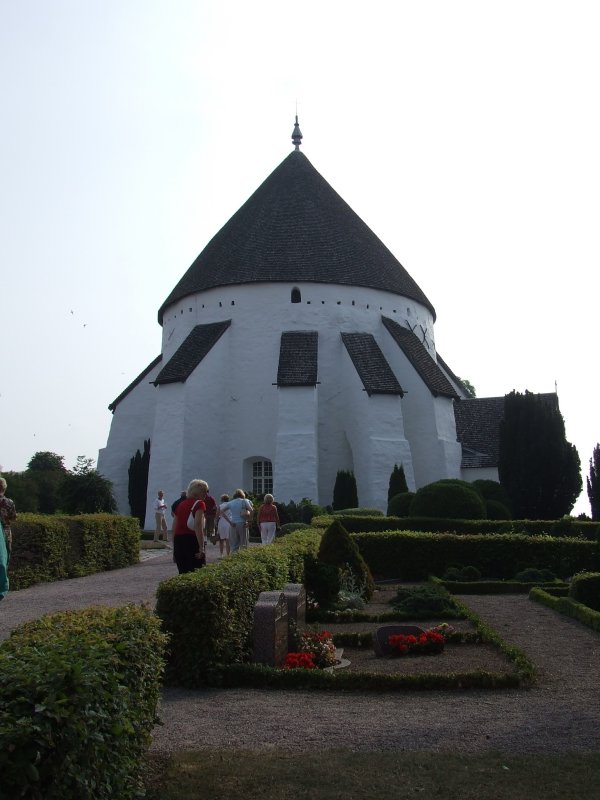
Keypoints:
pixel 315 650
pixel 428 643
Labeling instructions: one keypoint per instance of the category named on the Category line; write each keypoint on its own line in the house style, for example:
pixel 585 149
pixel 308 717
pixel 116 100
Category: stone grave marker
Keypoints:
pixel 380 637
pixel 270 629
pixel 295 594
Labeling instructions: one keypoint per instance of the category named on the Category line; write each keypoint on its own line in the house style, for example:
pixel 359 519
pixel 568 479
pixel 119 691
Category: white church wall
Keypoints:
pixel 420 421
pixel 132 423
pixel 296 463
pixel 450 455
pixel 374 428
pixel 231 406
pixel 479 474
pixel 166 447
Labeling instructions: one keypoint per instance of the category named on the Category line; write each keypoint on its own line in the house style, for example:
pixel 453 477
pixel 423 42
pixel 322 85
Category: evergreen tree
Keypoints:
pixel 593 483
pixel 537 466
pixel 345 494
pixel 398 483
pixel 138 482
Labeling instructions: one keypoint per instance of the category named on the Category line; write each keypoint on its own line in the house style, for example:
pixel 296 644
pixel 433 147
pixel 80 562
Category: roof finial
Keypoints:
pixel 297 135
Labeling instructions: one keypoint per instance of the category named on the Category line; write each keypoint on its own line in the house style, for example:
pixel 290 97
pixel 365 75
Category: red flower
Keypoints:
pixel 299 661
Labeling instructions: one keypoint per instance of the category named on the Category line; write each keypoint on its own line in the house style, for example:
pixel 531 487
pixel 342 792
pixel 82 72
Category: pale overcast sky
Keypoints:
pixel 465 134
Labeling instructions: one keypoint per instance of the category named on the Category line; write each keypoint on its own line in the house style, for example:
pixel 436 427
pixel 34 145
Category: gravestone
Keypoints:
pixel 381 635
pixel 270 629
pixel 295 594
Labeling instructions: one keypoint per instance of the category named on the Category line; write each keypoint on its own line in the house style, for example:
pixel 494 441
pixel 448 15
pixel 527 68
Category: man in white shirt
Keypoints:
pixel 160 507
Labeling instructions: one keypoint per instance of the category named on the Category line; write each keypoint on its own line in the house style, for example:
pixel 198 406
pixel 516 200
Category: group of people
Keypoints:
pixel 198 518
pixel 8 514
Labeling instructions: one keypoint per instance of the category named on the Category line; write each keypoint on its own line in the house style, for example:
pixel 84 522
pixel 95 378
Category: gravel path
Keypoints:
pixel 560 714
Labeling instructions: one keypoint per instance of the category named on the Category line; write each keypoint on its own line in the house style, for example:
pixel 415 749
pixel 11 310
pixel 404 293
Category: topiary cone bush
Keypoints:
pixel 399 505
pixel 448 500
pixel 338 549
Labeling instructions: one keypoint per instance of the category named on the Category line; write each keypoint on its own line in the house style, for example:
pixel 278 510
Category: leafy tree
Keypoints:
pixel 398 483
pixel 345 494
pixel 593 483
pixel 45 461
pixel 83 466
pixel 22 490
pixel 138 482
pixel 537 466
pixel 47 470
pixel 468 386
pixel 86 491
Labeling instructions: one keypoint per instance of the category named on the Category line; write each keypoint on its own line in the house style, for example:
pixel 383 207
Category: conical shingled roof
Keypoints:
pixel 296 228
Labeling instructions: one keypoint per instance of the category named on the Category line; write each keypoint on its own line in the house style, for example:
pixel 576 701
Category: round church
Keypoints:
pixel 296 345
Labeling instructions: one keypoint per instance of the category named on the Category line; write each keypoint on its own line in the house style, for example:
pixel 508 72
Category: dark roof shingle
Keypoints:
pixel 191 352
pixel 298 356
pixel 370 363
pixel 478 430
pixel 431 374
pixel 296 228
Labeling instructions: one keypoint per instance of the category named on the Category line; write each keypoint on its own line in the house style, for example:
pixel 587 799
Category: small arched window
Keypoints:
pixel 296 296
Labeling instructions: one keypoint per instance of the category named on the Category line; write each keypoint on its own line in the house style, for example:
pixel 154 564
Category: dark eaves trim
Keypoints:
pixel 134 383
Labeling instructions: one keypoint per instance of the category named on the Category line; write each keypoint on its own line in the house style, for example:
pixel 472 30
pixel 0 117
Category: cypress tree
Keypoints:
pixel 398 483
pixel 537 466
pixel 345 494
pixel 593 483
pixel 138 482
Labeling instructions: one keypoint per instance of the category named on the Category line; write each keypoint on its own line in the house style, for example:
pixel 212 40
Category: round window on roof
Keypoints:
pixel 296 296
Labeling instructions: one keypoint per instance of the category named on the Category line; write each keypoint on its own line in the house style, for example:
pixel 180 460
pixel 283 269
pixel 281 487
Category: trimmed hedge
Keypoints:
pixel 414 556
pixel 494 587
pixel 562 527
pixel 568 607
pixel 359 512
pixel 448 498
pixel 585 589
pixel 51 548
pixel 78 698
pixel 260 677
pixel 399 504
pixel 209 613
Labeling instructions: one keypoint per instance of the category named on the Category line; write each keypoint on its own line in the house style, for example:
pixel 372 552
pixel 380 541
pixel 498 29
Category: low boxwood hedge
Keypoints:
pixel 209 613
pixel 563 527
pixel 260 677
pixel 568 607
pixel 412 556
pixel 585 589
pixel 495 587
pixel 78 698
pixel 50 548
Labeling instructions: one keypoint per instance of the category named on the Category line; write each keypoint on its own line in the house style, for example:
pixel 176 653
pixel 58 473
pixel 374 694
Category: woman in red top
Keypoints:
pixel 188 543
pixel 268 519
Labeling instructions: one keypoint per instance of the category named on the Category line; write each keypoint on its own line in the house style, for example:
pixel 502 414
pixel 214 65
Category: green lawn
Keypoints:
pixel 337 775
